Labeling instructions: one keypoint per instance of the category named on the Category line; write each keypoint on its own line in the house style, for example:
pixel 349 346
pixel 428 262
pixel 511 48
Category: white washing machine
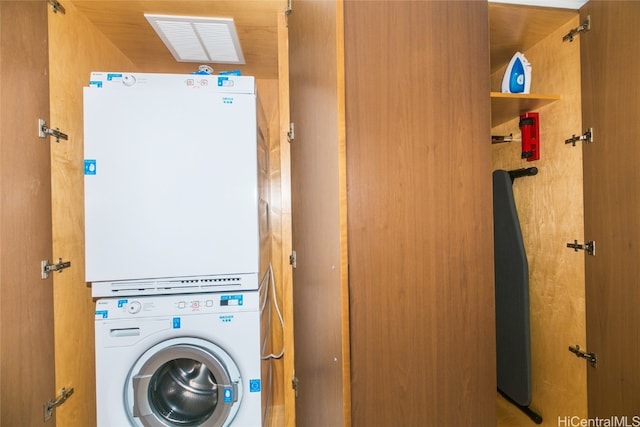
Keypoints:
pixel 178 360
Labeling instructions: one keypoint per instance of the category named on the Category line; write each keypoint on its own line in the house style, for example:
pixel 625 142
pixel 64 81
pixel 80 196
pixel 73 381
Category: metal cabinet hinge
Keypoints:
pixel 589 247
pixel 291 135
pixel 287 12
pixel 293 259
pixel 589 357
pixel 46 268
pixel 586 26
pixel 52 404
pixel 44 130
pixel 57 7
pixel 294 385
pixel 587 137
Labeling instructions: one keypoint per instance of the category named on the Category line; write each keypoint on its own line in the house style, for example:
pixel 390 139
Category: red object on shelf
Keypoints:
pixel 530 129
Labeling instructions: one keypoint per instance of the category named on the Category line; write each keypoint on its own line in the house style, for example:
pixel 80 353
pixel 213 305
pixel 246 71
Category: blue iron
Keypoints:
pixel 517 77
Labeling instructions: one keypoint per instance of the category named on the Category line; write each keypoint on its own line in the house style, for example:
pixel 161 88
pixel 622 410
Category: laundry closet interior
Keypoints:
pixel 324 239
pixel 86 27
pixel 549 204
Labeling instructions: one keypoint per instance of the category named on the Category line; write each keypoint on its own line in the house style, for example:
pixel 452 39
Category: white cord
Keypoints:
pixel 269 278
pixel 269 275
pixel 264 297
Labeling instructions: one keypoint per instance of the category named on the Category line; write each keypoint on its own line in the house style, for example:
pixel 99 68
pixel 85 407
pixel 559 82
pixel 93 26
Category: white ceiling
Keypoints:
pixel 564 4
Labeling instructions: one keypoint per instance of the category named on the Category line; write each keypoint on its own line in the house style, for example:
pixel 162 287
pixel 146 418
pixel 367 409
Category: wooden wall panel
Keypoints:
pixel 419 213
pixel 71 34
pixel 550 209
pixel 26 301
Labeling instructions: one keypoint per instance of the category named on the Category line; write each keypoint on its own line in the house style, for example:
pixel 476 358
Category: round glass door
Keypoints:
pixel 183 385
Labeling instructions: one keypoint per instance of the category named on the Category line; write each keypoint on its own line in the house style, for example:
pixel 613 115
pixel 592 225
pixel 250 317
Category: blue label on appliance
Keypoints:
pixel 228 395
pixel 224 81
pixel 176 323
pixel 113 76
pixel 254 386
pixel 230 73
pixel 122 302
pixel 227 300
pixel 103 314
pixel 226 318
pixel 95 83
pixel 90 167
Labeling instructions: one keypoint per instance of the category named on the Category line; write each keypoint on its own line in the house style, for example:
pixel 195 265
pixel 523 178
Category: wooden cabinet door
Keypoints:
pixel 610 87
pixel 318 184
pixel 26 301
pixel 420 225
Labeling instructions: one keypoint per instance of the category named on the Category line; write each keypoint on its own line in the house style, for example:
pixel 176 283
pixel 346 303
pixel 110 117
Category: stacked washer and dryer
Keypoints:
pixel 172 248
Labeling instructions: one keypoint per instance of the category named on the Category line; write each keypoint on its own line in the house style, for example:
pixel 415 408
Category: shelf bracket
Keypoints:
pixel 500 139
pixel 586 26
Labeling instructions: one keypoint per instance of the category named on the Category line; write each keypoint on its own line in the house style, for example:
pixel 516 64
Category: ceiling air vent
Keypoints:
pixel 198 39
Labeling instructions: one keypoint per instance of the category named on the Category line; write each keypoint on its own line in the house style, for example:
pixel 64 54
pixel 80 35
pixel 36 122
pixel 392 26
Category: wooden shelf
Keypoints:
pixel 507 106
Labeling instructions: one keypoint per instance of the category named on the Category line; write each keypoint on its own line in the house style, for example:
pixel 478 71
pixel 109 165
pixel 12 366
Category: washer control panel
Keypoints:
pixel 186 304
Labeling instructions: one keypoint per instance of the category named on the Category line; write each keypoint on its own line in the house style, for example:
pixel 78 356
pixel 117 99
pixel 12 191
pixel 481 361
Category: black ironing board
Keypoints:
pixel 512 295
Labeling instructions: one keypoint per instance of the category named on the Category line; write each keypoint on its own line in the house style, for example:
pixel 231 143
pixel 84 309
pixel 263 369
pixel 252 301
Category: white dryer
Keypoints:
pixel 178 360
pixel 171 184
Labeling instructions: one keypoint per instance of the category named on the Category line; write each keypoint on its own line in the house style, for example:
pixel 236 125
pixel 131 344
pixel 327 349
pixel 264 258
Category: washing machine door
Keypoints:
pixel 182 384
